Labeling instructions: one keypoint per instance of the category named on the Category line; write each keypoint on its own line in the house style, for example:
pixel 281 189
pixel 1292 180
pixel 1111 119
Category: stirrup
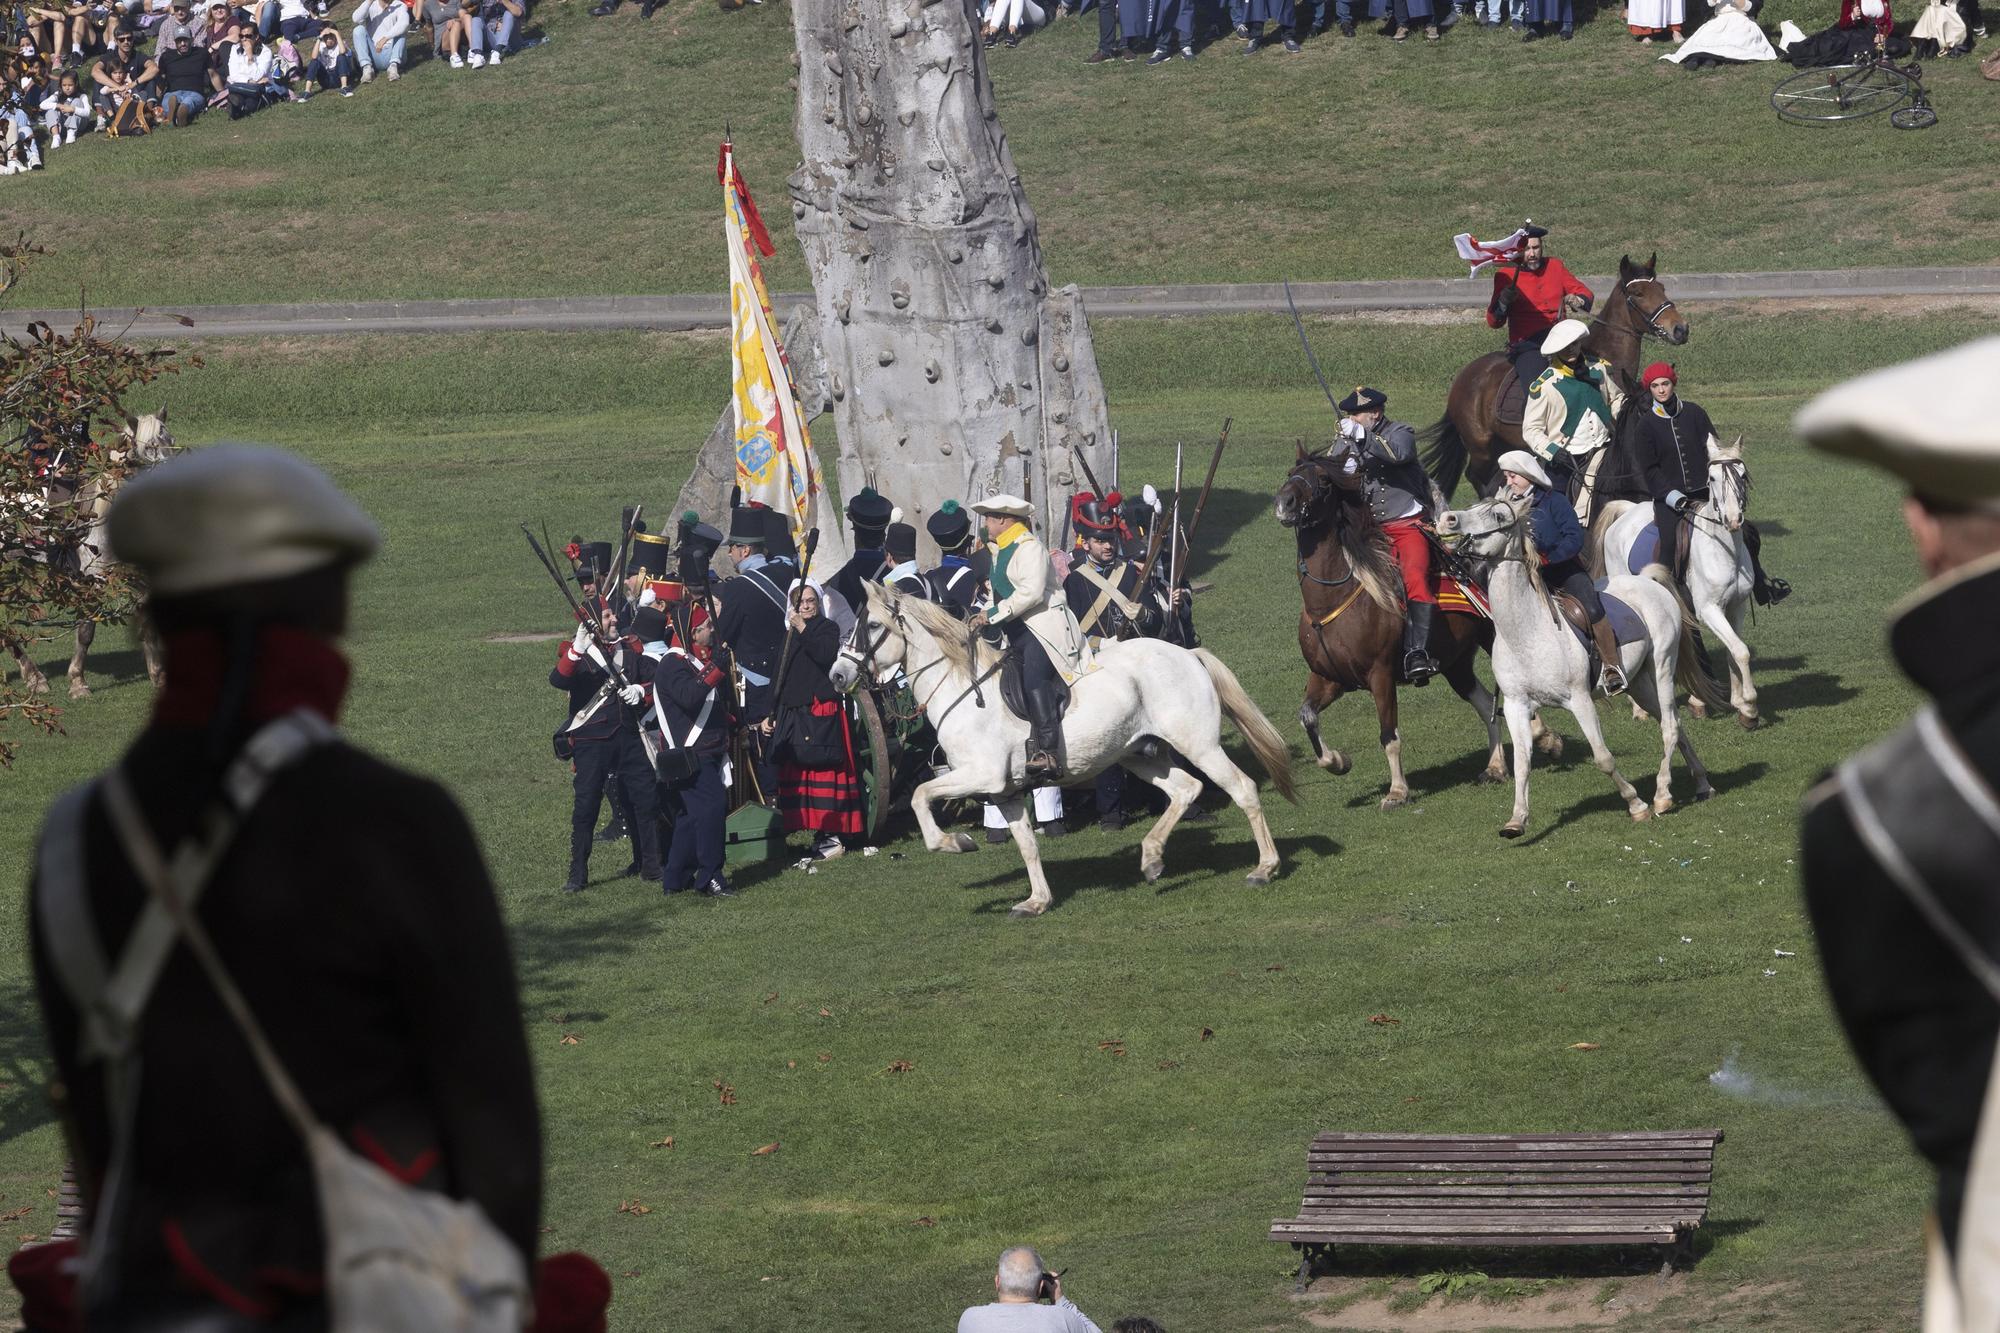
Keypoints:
pixel 1418 668
pixel 1042 764
pixel 1769 591
pixel 1606 676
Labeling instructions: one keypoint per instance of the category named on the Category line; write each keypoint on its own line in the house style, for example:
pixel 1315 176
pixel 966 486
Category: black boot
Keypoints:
pixel 614 827
pixel 1418 667
pixel 1764 590
pixel 1045 761
pixel 577 872
pixel 579 859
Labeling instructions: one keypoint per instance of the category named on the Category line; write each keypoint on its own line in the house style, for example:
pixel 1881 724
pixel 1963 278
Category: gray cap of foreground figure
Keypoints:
pixel 1934 422
pixel 231 514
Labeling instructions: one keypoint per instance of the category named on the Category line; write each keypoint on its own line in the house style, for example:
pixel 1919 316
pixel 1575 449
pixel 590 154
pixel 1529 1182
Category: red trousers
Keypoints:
pixel 1412 546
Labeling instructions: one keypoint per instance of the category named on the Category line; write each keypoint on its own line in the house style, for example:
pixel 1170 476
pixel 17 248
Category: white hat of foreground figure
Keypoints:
pixel 231 514
pixel 1934 422
pixel 1013 506
pixel 1525 463
pixel 1564 335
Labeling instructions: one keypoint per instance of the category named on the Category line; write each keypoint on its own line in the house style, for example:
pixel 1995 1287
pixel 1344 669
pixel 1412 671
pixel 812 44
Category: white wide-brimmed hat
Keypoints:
pixel 1525 463
pixel 1013 506
pixel 232 514
pixel 1934 422
pixel 1565 335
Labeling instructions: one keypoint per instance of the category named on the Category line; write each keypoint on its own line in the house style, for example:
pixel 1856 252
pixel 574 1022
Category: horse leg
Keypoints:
pixel 1215 764
pixel 1319 693
pixel 1463 679
pixel 1585 712
pixel 1728 627
pixel 86 634
pixel 1547 739
pixel 946 785
pixel 1383 686
pixel 1181 788
pixel 1520 724
pixel 32 678
pixel 1657 691
pixel 1019 812
pixel 149 645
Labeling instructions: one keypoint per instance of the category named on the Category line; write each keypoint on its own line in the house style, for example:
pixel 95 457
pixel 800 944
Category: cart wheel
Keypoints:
pixel 875 764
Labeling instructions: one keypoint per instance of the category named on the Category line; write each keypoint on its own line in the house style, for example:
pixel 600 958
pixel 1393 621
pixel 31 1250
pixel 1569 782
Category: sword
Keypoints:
pixel 1174 540
pixel 1311 360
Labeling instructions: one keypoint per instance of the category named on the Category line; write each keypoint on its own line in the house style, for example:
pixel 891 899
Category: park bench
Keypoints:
pixel 1469 1190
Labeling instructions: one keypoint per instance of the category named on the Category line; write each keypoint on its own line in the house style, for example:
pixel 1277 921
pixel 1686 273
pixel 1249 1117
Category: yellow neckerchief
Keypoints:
pixel 1009 535
pixel 1564 368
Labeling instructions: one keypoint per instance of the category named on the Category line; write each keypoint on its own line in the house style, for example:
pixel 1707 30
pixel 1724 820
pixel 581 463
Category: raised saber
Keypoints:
pixel 1306 343
pixel 1174 538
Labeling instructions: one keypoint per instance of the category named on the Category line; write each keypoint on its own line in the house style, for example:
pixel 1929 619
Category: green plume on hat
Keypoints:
pixel 868 493
pixel 948 507
pixel 689 517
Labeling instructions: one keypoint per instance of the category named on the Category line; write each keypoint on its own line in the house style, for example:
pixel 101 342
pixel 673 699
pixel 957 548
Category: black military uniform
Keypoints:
pixel 953 582
pixel 1899 847
pixel 603 734
pixel 693 707
pixel 352 911
pixel 1176 623
pixel 750 621
pixel 870 516
pixel 779 547
pixel 1109 604
pixel 899 543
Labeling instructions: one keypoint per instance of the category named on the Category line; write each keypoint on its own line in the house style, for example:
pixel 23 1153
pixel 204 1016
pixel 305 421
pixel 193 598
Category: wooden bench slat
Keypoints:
pixel 1523 1216
pixel 1446 1146
pixel 1504 1171
pixel 1470 1153
pixel 1444 1189
pixel 1378 1238
pixel 1319 1203
pixel 1347 1136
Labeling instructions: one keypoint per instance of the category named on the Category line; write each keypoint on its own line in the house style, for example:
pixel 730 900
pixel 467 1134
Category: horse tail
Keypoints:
pixel 1265 743
pixel 1690 673
pixel 1442 450
pixel 1593 541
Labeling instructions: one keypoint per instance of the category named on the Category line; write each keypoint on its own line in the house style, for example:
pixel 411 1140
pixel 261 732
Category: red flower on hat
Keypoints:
pixel 573 551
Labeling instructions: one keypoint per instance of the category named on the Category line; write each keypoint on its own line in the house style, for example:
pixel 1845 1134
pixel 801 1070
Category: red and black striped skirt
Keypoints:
pixel 826 801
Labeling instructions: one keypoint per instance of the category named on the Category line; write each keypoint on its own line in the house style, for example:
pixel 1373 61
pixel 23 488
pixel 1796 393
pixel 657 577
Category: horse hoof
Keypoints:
pixel 1259 876
pixel 1661 807
pixel 38 687
pixel 1394 802
pixel 1641 812
pixel 78 690
pixel 1153 870
pixel 1748 721
pixel 1337 763
pixel 1703 793
pixel 1638 713
pixel 1697 707
pixel 1512 830
pixel 1487 777
pixel 1550 744
pixel 959 842
pixel 1022 911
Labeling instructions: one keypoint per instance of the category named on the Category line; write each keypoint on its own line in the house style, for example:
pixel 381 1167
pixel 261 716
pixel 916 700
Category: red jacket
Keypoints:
pixel 1851 17
pixel 1538 303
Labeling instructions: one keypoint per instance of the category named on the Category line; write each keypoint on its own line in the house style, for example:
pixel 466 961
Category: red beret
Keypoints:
pixel 1659 370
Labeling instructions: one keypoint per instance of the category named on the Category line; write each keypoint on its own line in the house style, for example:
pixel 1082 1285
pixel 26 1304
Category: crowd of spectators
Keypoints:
pixel 78 66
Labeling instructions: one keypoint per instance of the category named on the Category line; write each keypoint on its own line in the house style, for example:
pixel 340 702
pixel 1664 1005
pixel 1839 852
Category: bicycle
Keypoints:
pixel 1837 93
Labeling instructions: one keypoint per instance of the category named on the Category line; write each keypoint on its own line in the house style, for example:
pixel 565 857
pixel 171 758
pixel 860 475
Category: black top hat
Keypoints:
pixel 901 543
pixel 649 624
pixel 1364 399
pixel 869 511
pixel 778 543
pixel 649 554
pixel 699 542
pixel 594 562
pixel 747 526
pixel 949 526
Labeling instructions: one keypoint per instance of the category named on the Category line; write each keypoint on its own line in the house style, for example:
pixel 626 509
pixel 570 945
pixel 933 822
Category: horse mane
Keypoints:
pixel 1531 554
pixel 946 630
pixel 1366 547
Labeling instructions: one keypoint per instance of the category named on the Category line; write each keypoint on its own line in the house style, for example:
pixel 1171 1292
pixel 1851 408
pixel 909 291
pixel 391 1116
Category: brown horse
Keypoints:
pixel 1351 628
pixel 1470 436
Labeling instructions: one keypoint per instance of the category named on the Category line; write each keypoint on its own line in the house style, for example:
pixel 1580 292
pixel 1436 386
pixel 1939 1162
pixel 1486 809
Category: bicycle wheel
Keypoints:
pixel 1840 92
pixel 1918 117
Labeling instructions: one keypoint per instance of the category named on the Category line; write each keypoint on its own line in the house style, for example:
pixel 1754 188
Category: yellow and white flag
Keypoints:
pixel 774 457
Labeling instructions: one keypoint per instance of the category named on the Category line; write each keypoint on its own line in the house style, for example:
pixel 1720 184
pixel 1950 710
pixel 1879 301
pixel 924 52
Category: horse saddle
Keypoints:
pixel 1646 548
pixel 1513 400
pixel 1015 695
pixel 1626 627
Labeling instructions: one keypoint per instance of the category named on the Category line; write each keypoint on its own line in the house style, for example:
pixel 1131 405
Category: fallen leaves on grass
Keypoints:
pixel 1275 967
pixel 772 996
pixel 791 1064
pixel 825 1056
pixel 570 1039
pixel 898 1067
pixel 666 1142
pixel 630 1272
pixel 727 1092
pixel 16 1214
pixel 1169 1064
pixel 1207 1033
pixel 634 1207
pixel 1384 1021
pixel 764 1151
pixel 1583 1046
pixel 826 1013
pixel 926 1222
pixel 1116 1046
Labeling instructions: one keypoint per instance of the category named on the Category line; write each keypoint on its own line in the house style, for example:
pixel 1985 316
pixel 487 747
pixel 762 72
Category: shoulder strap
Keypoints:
pixel 764 585
pixel 1921 771
pixel 701 718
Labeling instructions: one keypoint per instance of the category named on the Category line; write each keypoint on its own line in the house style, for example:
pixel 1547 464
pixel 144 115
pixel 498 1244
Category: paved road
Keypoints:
pixel 574 313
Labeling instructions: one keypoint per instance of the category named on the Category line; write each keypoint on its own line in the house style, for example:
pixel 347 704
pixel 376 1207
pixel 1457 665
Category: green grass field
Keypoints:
pixel 1151 1174
pixel 587 166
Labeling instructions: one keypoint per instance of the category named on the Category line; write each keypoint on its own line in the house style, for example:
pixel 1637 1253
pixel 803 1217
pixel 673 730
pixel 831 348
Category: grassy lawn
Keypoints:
pixel 1150 1168
pixel 587 166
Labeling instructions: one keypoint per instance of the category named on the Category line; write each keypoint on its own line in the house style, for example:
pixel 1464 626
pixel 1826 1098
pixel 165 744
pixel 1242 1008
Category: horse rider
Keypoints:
pixel 1105 596
pixel 1019 581
pixel 1530 298
pixel 952 582
pixel 1571 406
pixel 869 516
pixel 1398 492
pixel 1898 847
pixel 899 542
pixel 1559 540
pixel 1677 443
pixel 750 620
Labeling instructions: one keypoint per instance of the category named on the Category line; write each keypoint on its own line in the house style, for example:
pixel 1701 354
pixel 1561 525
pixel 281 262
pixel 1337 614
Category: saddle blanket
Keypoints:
pixel 1625 623
pixel 1463 597
pixel 1645 548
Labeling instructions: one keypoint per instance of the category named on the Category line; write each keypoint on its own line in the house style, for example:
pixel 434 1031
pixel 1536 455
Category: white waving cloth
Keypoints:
pixel 1940 23
pixel 1730 35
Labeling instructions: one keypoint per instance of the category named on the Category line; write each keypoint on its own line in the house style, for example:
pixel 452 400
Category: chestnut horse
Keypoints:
pixel 1351 628
pixel 1470 436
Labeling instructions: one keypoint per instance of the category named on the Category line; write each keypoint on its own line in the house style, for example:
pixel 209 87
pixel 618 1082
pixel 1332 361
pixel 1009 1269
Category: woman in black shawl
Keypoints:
pixel 818 786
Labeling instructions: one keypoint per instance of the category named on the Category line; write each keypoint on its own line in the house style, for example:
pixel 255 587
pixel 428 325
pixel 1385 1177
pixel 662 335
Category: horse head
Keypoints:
pixel 1729 481
pixel 145 439
pixel 1315 483
pixel 876 646
pixel 1493 529
pixel 1646 297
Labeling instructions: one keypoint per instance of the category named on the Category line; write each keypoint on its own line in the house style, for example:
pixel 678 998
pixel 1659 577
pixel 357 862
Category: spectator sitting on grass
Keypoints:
pixel 176 22
pixel 332 64
pixel 492 28
pixel 250 70
pixel 450 25
pixel 216 28
pixel 187 80
pixel 66 109
pixel 380 29
pixel 299 20
pixel 22 97
pixel 1019 1287
pixel 122 73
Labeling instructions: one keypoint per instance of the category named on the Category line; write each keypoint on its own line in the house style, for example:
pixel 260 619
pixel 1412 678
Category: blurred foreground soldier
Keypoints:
pixel 953 582
pixel 1901 849
pixel 345 900
pixel 1027 1298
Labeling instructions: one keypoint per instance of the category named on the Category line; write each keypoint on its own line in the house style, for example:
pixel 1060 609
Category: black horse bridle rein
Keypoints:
pixel 1321 467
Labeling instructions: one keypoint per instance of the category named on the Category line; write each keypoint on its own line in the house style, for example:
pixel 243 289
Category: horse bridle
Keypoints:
pixel 1321 467
pixel 1652 320
pixel 863 660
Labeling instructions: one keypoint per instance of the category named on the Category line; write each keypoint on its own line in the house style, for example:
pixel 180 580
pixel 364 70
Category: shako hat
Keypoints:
pixel 649 624
pixel 869 511
pixel 649 554
pixel 900 541
pixel 747 526
pixel 949 526
pixel 232 514
pixel 593 560
pixel 1934 422
pixel 1091 514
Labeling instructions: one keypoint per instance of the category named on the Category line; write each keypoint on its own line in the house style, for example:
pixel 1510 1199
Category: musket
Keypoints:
pixel 785 653
pixel 611 671
pixel 1214 461
pixel 1311 360
pixel 1174 539
pixel 625 546
pixel 1152 548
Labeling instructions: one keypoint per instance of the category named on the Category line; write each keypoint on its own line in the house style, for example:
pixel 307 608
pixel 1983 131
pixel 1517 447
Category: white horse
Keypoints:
pixel 1719 573
pixel 143 442
pixel 1144 696
pixel 1538 661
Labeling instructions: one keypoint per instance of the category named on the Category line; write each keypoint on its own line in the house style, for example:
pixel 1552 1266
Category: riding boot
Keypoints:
pixel 1764 589
pixel 1418 666
pixel 1044 736
pixel 1611 678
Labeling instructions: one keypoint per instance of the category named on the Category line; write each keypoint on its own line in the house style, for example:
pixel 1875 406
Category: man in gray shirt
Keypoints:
pixel 1020 1286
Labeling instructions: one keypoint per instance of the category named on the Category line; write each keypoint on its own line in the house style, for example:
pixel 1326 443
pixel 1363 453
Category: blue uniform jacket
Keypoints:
pixel 1558 536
